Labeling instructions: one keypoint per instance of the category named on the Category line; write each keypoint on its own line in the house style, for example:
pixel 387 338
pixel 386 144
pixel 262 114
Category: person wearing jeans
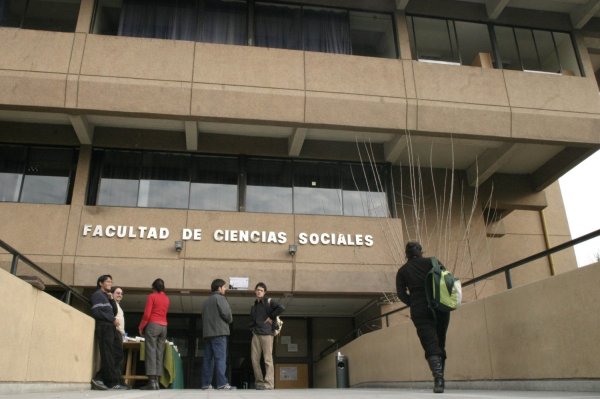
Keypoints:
pixel 216 318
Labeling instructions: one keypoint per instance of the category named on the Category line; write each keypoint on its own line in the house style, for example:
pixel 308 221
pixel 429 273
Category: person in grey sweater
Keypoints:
pixel 216 318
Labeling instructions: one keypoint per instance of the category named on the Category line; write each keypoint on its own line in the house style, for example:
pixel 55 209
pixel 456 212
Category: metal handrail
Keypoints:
pixel 17 256
pixel 504 269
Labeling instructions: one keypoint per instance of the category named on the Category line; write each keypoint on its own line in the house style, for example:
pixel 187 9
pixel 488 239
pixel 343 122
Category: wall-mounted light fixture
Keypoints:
pixel 293 249
pixel 178 245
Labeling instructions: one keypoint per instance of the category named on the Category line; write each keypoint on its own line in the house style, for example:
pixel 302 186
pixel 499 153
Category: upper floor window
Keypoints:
pixel 213 21
pixel 184 181
pixel 450 41
pixel 470 43
pixel 295 27
pixel 536 50
pixel 40 175
pixel 53 15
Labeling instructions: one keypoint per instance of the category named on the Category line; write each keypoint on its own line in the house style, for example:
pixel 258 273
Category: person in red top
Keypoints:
pixel 154 329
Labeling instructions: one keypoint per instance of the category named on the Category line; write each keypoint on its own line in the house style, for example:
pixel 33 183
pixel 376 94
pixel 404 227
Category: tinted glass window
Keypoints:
pixel 165 181
pixel 38 175
pixel 269 186
pixel 434 39
pixel 507 45
pixel 326 30
pixel 317 188
pixel 12 166
pixel 278 26
pixel 364 191
pixel 473 39
pixel 53 15
pixel 214 184
pixel 12 12
pixel 566 54
pixel 47 176
pixel 120 178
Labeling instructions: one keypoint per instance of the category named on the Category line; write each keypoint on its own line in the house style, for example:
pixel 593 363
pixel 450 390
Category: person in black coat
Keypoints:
pixel 431 325
pixel 263 322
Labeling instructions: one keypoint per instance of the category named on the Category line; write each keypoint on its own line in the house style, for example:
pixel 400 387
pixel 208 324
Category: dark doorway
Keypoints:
pixel 185 331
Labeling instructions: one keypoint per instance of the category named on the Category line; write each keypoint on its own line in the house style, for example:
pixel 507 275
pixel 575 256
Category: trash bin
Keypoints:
pixel 341 371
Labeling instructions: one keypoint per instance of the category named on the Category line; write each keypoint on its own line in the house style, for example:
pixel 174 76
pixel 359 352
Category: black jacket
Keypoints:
pixel 410 280
pixel 260 311
pixel 104 309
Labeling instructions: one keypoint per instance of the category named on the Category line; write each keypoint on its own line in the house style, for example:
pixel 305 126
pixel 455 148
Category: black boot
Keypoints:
pixel 437 371
pixel 156 383
pixel 152 384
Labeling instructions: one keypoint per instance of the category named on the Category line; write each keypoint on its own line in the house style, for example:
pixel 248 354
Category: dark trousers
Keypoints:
pixel 110 343
pixel 431 328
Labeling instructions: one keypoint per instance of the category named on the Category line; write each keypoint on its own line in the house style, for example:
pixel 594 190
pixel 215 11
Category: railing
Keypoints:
pixel 504 269
pixel 18 257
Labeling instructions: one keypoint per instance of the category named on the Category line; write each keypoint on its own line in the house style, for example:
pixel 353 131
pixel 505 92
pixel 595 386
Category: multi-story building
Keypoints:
pixel 299 143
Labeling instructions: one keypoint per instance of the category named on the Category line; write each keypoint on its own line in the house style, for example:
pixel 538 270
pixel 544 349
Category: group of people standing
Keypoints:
pixel 216 318
pixel 431 326
pixel 110 333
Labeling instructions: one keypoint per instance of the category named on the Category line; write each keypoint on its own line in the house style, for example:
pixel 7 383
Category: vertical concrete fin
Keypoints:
pixel 191 135
pixel 83 128
pixel 296 141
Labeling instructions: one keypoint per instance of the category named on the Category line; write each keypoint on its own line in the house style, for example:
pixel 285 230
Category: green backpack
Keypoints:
pixel 443 290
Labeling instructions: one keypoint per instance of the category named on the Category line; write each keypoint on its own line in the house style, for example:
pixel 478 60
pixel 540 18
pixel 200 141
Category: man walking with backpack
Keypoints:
pixel 263 315
pixel 431 324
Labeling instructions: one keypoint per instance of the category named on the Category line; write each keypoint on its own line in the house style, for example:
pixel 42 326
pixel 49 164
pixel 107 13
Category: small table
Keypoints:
pixel 172 373
pixel 131 362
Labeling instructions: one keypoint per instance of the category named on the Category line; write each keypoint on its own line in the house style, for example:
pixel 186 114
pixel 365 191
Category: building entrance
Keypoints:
pixel 185 331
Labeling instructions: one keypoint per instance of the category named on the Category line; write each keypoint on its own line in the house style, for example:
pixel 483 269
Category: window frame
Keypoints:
pixel 97 165
pixel 494 43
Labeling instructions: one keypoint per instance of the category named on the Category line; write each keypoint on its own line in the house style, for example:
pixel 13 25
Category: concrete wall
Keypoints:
pixel 550 333
pixel 44 340
pixel 80 72
pixel 54 239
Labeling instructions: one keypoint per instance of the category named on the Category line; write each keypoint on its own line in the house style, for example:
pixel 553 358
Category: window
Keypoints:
pixel 223 21
pixel 213 21
pixel 473 41
pixel 210 182
pixel 214 184
pixel 38 175
pixel 372 35
pixel 364 191
pixel 317 188
pixel 326 30
pixel 286 26
pixel 507 46
pixel 53 15
pixel 469 43
pixel 278 26
pixel 269 186
pixel 165 181
pixel 434 39
pixel 536 50
pixel 119 179
pixel 449 41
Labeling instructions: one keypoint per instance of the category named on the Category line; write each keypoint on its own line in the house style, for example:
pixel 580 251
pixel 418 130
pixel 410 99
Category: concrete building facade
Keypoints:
pixel 296 143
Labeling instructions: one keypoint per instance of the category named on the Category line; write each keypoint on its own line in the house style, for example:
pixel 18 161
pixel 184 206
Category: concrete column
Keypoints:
pixel 82 174
pixel 403 37
pixel 84 20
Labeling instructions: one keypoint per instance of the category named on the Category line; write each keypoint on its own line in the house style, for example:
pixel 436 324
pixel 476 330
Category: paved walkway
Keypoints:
pixel 357 393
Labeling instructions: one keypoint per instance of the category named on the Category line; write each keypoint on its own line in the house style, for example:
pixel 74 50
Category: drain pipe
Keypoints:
pixel 547 241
